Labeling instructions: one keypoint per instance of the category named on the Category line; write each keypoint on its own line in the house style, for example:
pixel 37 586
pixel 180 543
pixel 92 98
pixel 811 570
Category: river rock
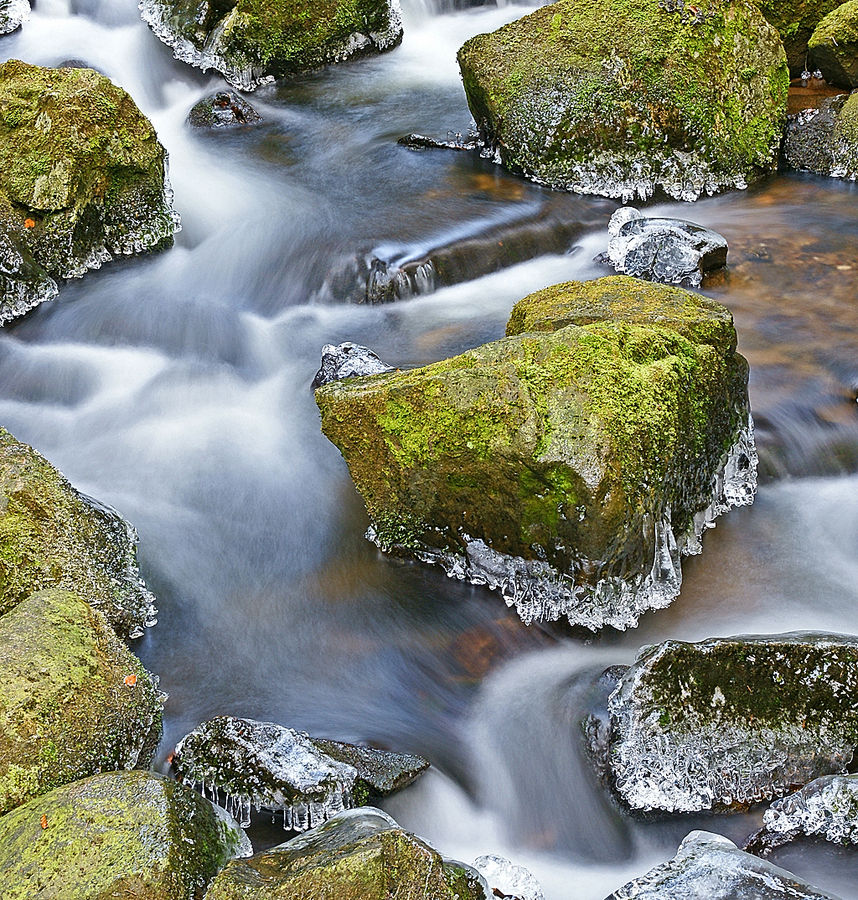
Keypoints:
pixel 668 250
pixel 51 535
pixel 360 854
pixel 307 779
pixel 508 880
pixel 833 46
pixel 827 808
pixel 825 140
pixel 711 866
pixel 605 98
pixel 13 14
pixel 74 699
pixel 567 465
pixel 347 360
pixel 732 721
pixel 251 42
pixel 225 109
pixel 82 179
pixel 122 834
pixel 795 21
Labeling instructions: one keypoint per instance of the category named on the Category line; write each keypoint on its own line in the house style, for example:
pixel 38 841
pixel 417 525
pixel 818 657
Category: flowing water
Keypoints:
pixel 176 388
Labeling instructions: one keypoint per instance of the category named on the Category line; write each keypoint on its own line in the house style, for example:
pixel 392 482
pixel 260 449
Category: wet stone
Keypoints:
pixel 508 880
pixel 668 250
pixel 347 360
pixel 13 14
pixel 424 142
pixel 226 109
pixel 825 140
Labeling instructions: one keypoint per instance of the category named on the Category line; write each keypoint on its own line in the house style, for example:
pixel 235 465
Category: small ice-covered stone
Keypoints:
pixel 13 14
pixel 710 867
pixel 506 879
pixel 347 360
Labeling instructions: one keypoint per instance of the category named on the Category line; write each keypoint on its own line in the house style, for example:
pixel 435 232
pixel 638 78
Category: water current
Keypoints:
pixel 176 388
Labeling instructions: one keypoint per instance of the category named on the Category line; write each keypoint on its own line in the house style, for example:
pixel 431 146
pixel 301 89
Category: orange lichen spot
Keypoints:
pixel 131 680
pixel 29 223
pixel 43 821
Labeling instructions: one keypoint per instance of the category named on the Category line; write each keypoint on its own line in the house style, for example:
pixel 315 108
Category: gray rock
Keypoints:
pixel 710 867
pixel 269 766
pixel 225 109
pixel 347 360
pixel 825 140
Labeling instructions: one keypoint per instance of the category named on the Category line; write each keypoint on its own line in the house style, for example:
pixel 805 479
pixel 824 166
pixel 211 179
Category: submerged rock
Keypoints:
pixel 605 98
pixel 75 700
pixel 795 21
pixel 251 42
pixel 13 14
pixel 507 880
pixel 827 808
pixel 708 865
pixel 53 536
pixel 361 854
pixel 567 465
pixel 825 140
pixel 423 142
pixel 833 46
pixel 122 834
pixel 82 179
pixel 225 109
pixel 266 765
pixel 733 720
pixel 347 360
pixel 668 250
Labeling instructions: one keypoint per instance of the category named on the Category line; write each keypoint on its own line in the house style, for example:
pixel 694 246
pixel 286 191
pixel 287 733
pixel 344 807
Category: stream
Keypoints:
pixel 176 387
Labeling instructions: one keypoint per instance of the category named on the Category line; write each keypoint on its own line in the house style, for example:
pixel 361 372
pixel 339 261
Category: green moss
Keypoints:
pixel 795 20
pixel 833 46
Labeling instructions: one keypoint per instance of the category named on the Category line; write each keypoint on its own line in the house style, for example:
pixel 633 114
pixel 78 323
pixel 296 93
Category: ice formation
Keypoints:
pixel 387 281
pixel 539 592
pixel 13 14
pixel 711 866
pixel 732 720
pixel 23 283
pixel 347 360
pixel 242 765
pixel 506 879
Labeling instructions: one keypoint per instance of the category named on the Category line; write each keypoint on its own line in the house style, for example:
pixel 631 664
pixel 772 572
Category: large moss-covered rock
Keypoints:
pixel 358 855
pixel 825 140
pixel 73 699
pixel 733 720
pixel 568 464
pixel 626 96
pixel 795 21
pixel 252 41
pixel 82 179
pixel 53 536
pixel 833 46
pixel 118 835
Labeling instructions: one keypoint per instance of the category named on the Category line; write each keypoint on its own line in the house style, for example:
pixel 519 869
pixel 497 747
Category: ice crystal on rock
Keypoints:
pixel 506 879
pixel 347 360
pixel 13 14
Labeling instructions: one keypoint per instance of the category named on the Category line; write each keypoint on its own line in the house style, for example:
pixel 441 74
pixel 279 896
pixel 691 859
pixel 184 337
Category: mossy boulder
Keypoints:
pixel 624 97
pixel 82 179
pixel 825 140
pixel 13 14
pixel 358 855
pixel 833 46
pixel 253 41
pixel 795 21
pixel 51 535
pixel 117 835
pixel 567 464
pixel 74 699
pixel 732 721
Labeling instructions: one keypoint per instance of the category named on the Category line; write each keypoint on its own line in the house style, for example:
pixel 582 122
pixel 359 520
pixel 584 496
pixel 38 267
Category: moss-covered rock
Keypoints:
pixel 13 14
pixel 358 855
pixel 626 96
pixel 82 178
pixel 53 536
pixel 74 699
pixel 795 21
pixel 253 41
pixel 733 720
pixel 833 46
pixel 567 464
pixel 825 140
pixel 118 835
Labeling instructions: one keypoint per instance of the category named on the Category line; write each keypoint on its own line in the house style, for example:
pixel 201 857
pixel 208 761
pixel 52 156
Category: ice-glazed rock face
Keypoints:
pixel 604 98
pixel 53 536
pixel 795 20
pixel 827 808
pixel 75 700
pixel 226 109
pixel 667 250
pixel 825 140
pixel 361 854
pixel 124 834
pixel 506 879
pixel 569 464
pixel 13 14
pixel 253 41
pixel 347 360
pixel 710 866
pixel 82 179
pixel 265 765
pixel 833 46
pixel 733 720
